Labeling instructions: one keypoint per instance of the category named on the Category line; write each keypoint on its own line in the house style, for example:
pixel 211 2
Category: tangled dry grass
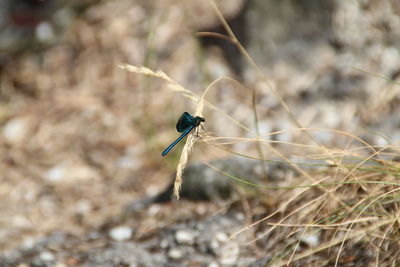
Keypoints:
pixel 351 199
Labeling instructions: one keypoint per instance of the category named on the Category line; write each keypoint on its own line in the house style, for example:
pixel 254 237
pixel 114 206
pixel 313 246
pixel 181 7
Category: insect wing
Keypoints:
pixel 185 121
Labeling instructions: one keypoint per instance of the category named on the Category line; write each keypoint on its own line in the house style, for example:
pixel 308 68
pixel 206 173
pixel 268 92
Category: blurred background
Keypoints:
pixel 81 138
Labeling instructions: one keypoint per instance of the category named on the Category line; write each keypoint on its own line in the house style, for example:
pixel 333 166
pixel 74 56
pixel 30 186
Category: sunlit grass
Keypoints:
pixel 342 195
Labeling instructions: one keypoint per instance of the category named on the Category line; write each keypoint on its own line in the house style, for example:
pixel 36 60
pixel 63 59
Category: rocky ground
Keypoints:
pixel 82 179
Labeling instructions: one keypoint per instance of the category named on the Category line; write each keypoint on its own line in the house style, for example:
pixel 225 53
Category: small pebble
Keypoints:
pixel 240 216
pixel 184 237
pixel 83 206
pixel 28 243
pixel 213 264
pixel 45 33
pixel 16 130
pixel 214 246
pixel 93 235
pixel 70 173
pixel 311 240
pixel 229 253
pixel 164 243
pixel 175 253
pixel 221 236
pixel 56 174
pixel 47 256
pixel 121 233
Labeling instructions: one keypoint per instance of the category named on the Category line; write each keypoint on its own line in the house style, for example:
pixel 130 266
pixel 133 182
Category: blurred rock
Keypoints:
pixel 311 239
pixel 228 253
pixel 184 237
pixel 56 174
pixel 45 33
pixel 17 130
pixel 47 256
pixel 213 264
pixel 203 183
pixel 226 250
pixel 83 207
pixel 175 253
pixel 121 233
pixel 70 173
pixel 123 254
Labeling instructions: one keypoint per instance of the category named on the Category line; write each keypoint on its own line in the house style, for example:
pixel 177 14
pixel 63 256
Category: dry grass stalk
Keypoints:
pixel 191 137
pixel 188 147
pixel 161 75
pixel 182 163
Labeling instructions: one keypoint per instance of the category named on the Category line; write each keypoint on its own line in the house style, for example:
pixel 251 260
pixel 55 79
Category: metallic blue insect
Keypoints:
pixel 185 124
